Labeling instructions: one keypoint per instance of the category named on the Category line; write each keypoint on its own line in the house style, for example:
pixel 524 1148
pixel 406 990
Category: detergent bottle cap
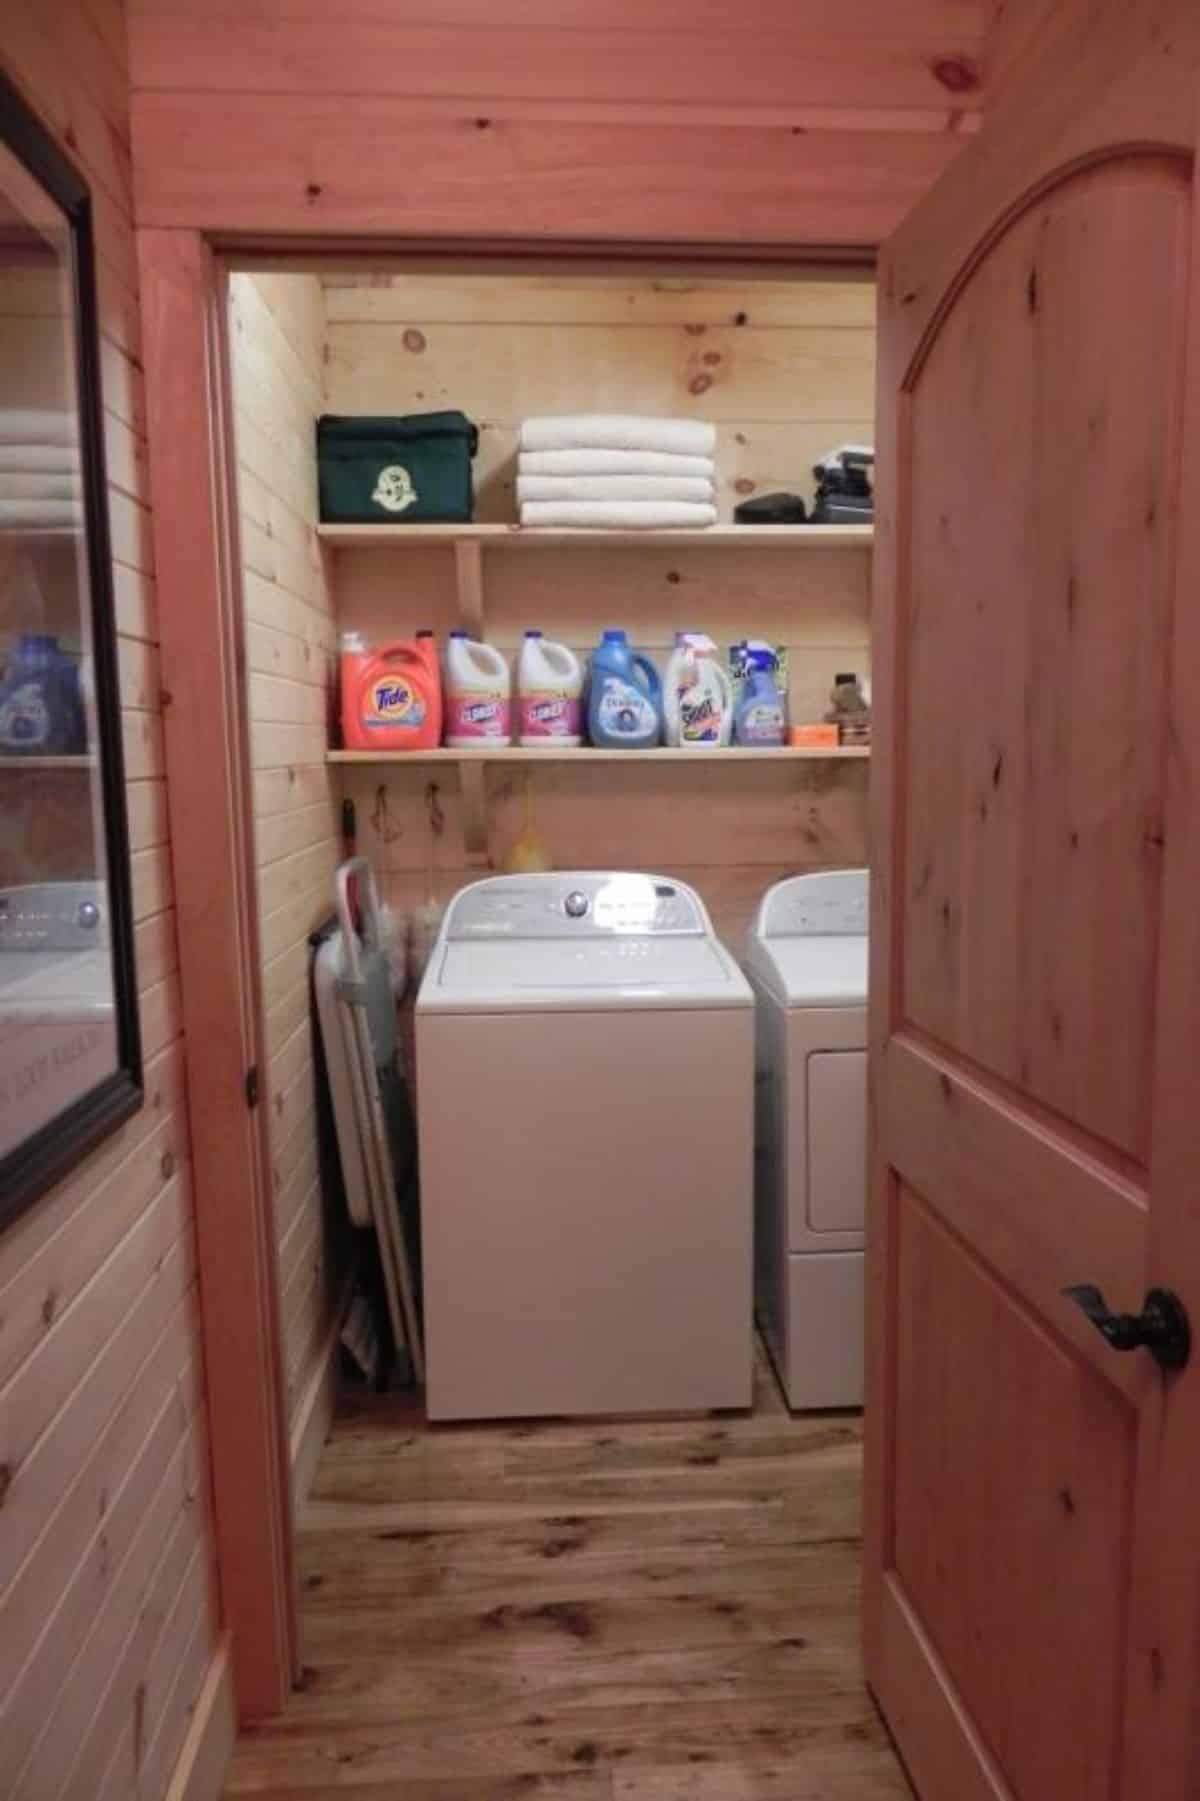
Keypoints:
pixel 459 634
pixel 533 634
pixel 614 637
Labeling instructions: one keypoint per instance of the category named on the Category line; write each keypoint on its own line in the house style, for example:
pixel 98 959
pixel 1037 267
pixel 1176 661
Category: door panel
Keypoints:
pixel 982 1535
pixel 1036 645
pixel 1032 1583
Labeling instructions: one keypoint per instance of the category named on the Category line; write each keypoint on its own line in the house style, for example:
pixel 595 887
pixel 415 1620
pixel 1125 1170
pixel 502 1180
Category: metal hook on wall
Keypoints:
pixel 385 831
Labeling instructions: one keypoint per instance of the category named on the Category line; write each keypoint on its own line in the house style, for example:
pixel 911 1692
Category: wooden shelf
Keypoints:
pixel 516 537
pixel 516 753
pixel 75 762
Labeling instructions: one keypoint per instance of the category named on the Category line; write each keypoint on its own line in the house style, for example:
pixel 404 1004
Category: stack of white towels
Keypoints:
pixel 40 484
pixel 615 471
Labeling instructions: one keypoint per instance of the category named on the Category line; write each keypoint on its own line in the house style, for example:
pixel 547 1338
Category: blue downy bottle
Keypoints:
pixel 759 716
pixel 41 707
pixel 624 697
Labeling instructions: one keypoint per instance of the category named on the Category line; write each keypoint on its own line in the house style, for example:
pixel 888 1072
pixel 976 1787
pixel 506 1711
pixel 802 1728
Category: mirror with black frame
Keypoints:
pixel 70 1064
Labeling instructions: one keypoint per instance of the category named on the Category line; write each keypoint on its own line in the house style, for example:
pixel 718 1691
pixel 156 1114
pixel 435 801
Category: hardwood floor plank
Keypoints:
pixel 658 1610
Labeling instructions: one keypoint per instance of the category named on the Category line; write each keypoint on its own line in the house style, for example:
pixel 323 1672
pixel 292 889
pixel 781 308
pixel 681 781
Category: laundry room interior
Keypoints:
pixel 778 362
pixel 599 968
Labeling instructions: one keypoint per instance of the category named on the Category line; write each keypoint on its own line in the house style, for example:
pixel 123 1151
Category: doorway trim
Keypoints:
pixel 204 725
pixel 184 278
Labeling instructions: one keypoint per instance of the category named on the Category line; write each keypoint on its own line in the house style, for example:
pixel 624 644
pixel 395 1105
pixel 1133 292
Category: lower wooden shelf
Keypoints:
pixel 75 761
pixel 471 764
pixel 517 753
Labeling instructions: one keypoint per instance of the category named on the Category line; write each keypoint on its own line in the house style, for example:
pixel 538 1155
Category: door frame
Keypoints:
pixel 184 278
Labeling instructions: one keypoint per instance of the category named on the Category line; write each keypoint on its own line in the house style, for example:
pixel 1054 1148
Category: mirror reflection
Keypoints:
pixel 58 1034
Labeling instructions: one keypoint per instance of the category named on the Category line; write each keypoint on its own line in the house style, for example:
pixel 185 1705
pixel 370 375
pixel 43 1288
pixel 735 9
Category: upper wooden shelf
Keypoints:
pixel 517 537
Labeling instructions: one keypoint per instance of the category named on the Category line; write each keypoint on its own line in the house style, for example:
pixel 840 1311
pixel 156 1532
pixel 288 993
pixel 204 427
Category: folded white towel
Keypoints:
pixel 36 515
pixel 619 431
pixel 617 515
pixel 613 487
pixel 37 425
pixel 59 459
pixel 610 462
pixel 38 484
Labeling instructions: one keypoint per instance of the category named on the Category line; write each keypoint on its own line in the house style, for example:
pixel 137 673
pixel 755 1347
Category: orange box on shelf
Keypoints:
pixel 813 737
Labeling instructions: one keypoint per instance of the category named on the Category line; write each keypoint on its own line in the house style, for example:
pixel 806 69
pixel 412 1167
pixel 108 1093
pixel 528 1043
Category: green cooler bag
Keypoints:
pixel 406 471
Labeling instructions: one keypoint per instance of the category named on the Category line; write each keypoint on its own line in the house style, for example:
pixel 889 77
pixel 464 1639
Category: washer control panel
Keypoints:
pixel 52 916
pixel 587 903
pixel 832 904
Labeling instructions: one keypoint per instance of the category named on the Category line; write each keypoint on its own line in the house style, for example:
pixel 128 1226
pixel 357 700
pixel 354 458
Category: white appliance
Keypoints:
pixel 807 962
pixel 585 1111
pixel 58 1028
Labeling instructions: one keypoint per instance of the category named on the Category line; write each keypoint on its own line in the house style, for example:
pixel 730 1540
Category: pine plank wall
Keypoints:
pixel 785 368
pixel 277 340
pixel 107 1587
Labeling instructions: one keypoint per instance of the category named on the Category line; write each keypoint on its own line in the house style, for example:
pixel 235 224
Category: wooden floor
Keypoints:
pixel 615 1612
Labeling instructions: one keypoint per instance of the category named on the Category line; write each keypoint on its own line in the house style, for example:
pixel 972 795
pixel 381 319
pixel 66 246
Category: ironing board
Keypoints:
pixel 373 1116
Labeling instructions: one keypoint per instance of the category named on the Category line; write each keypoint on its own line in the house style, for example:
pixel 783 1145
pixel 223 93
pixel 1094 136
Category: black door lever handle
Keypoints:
pixel 1162 1327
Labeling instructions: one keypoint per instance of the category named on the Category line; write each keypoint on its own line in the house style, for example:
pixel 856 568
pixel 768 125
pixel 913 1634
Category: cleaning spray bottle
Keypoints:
pixel 759 716
pixel 698 694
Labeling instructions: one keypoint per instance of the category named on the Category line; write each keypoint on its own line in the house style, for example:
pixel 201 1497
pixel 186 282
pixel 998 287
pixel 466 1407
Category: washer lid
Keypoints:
pixel 815 972
pixel 587 974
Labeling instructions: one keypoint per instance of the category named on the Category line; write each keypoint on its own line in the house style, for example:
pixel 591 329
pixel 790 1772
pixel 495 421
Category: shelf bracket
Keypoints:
pixel 472 790
pixel 468 568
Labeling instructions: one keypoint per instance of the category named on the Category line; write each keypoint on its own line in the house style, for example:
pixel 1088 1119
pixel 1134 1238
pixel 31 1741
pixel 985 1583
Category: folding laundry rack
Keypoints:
pixel 371 1107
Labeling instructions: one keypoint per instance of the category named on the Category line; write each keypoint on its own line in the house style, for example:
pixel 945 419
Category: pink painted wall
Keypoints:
pixel 108 1612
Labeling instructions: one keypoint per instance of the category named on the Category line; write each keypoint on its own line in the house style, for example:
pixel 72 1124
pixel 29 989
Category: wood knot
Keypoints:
pixel 695 331
pixel 6 1477
pixel 741 318
pixel 483 124
pixel 414 340
pixel 957 74
pixel 313 191
pixel 712 358
pixel 674 577
pixel 700 384
pixel 167 1166
pixel 49 1307
pixel 744 485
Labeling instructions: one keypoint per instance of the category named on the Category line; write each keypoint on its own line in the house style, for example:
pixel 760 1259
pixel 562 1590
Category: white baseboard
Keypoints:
pixel 314 1415
pixel 202 1764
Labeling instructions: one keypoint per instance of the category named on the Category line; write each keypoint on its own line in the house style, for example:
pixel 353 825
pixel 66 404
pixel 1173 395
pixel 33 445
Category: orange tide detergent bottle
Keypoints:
pixel 392 695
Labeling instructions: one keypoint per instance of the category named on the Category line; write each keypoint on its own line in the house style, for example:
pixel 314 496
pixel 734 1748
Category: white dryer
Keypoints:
pixel 585 1123
pixel 807 962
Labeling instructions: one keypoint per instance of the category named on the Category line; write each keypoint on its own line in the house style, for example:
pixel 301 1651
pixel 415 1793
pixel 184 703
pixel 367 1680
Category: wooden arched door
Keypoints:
pixel 1033 1566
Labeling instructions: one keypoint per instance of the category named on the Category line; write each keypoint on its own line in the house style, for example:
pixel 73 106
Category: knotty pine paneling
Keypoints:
pixel 277 343
pixel 657 123
pixel 102 1422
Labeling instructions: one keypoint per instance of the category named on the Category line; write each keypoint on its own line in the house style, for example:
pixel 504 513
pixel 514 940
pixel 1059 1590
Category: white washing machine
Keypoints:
pixel 585 1077
pixel 807 962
